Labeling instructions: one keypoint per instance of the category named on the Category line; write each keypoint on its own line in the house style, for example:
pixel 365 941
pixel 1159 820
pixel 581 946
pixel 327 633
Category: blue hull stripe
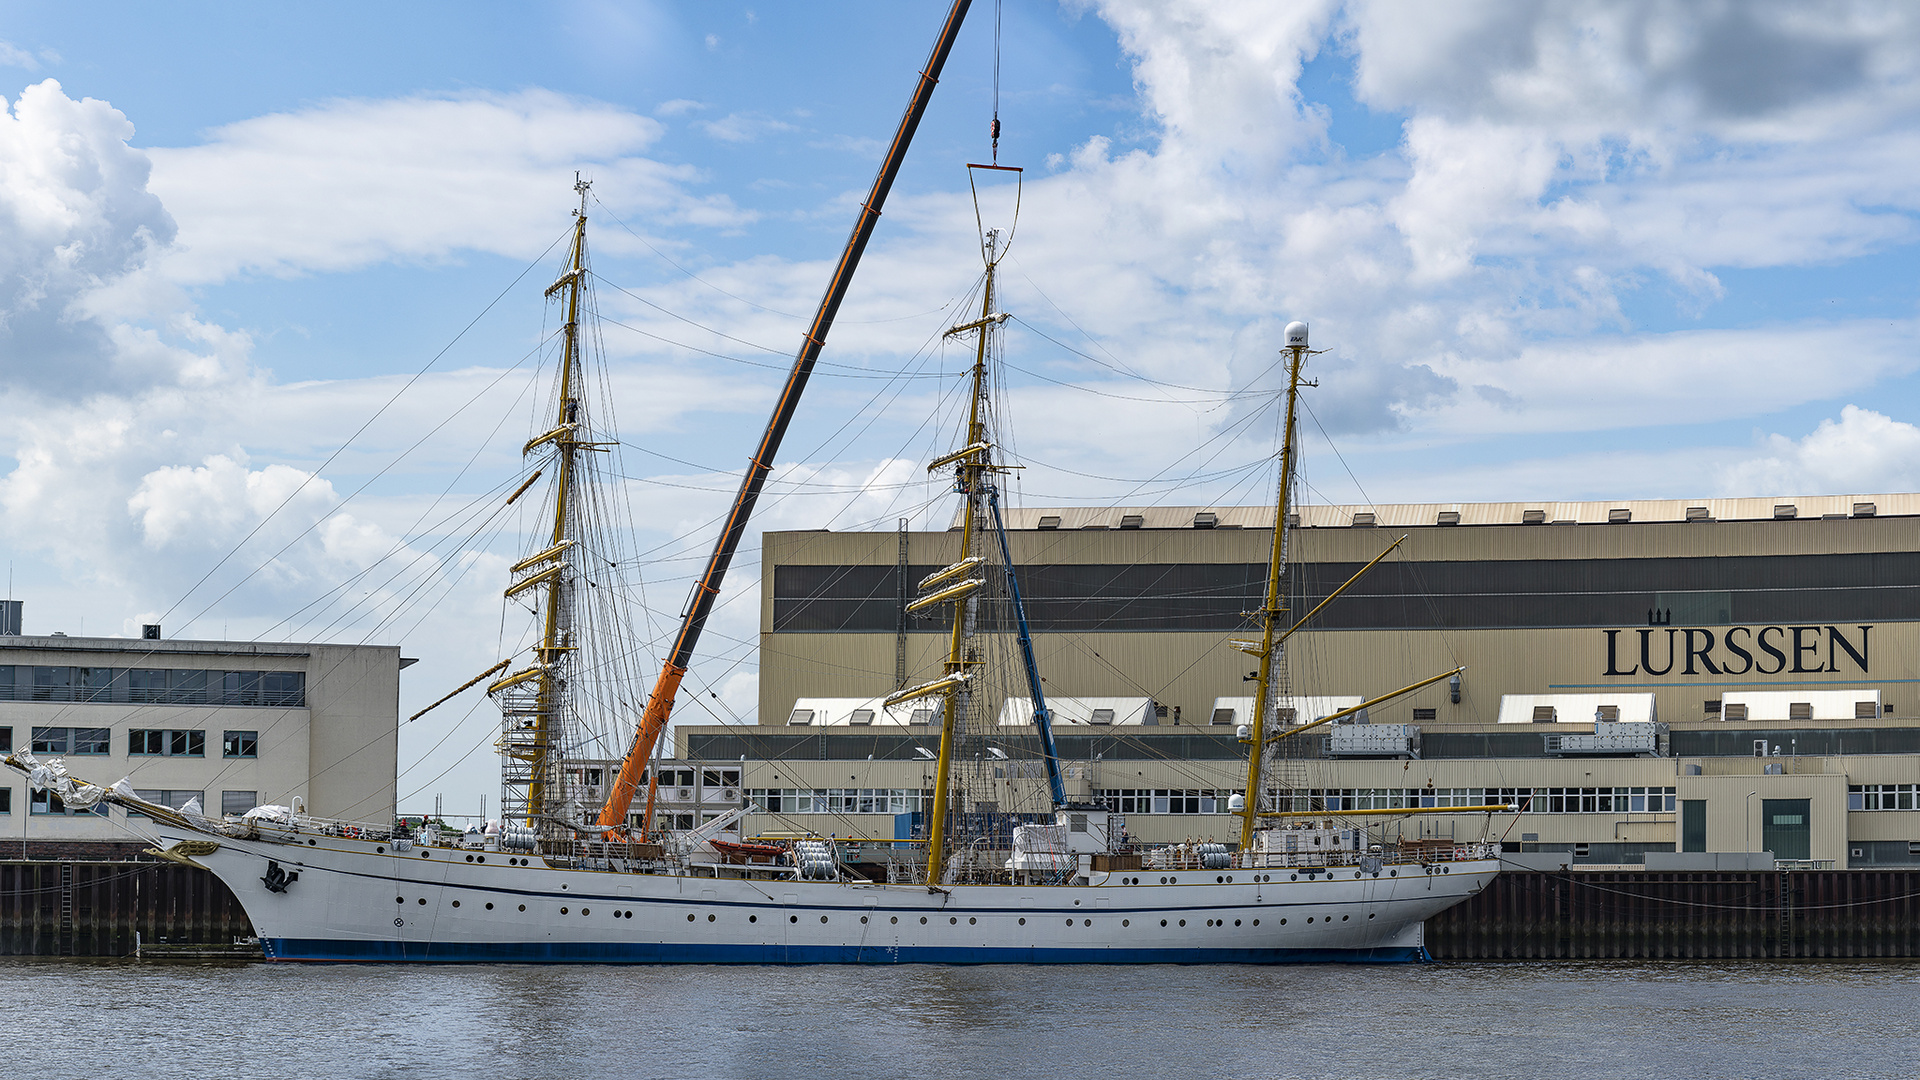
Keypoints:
pixel 529 952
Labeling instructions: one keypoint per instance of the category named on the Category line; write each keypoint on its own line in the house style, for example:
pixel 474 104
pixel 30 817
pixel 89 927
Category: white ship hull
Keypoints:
pixel 363 901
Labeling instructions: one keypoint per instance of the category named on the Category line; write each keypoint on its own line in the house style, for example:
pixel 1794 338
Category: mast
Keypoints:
pixel 1274 611
pixel 667 686
pixel 535 702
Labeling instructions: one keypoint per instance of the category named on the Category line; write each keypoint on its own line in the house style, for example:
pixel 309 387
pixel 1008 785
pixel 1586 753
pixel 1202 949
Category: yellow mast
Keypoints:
pixel 534 720
pixel 1274 611
pixel 971 470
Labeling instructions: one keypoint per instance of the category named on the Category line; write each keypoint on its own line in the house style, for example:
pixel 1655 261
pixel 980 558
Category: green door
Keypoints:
pixel 1785 828
pixel 1693 825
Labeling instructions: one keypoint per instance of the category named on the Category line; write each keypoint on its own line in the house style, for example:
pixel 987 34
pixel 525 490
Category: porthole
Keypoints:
pixel 489 906
pixel 1256 922
pixel 1183 922
pixel 589 911
pixel 1309 920
pixel 1296 877
pixel 955 920
pixel 1163 881
pixel 1069 922
pixel 1369 914
pixel 379 851
pixel 1126 922
pixel 1219 880
pixel 1023 922
pixel 1236 922
pixel 710 918
pixel 923 920
pixel 423 901
pixel 823 918
pixel 424 854
pixel 863 920
pixel 895 920
pixel 312 843
pixel 1173 881
pixel 793 918
pixel 1088 922
pixel 753 918
pixel 1229 879
pixel 469 858
pixel 1283 922
pixel 479 858
pixel 1356 875
pixel 399 899
pixel 1446 869
pixel 1209 922
pixel 563 911
pixel 1393 873
pixel 523 907
pixel 1163 922
pixel 456 903
pixel 1344 918
pixel 970 921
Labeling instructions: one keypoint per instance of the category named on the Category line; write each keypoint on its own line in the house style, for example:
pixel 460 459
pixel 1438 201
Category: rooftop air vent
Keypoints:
pixel 1049 521
pixel 1101 716
pixel 1619 515
pixel 1864 509
pixel 1800 710
pixel 1096 526
pixel 1533 517
pixel 1607 714
pixel 1733 711
pixel 1425 714
pixel 1132 521
pixel 921 716
pixel 1784 511
pixel 1543 714
pixel 1448 517
pixel 1206 519
pixel 861 716
pixel 1363 520
pixel 1223 716
pixel 1866 710
pixel 800 716
pixel 1698 513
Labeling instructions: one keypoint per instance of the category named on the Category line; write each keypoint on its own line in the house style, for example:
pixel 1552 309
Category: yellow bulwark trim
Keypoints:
pixel 951 592
pixel 551 436
pixel 535 560
pixel 518 677
pixel 524 584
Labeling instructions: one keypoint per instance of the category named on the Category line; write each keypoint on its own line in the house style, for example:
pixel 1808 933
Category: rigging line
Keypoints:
pixel 669 261
pixel 1070 321
pixel 1226 397
pixel 416 377
pixel 1029 324
pixel 848 370
pixel 674 315
pixel 357 492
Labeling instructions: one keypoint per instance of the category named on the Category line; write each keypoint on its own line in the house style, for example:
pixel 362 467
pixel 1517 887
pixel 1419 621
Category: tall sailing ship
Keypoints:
pixel 557 881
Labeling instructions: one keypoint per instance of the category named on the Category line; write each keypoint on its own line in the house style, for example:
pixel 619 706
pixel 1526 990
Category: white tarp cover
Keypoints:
pixel 1041 847
pixel 52 776
pixel 278 815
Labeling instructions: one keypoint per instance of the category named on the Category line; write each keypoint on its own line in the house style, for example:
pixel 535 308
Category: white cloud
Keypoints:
pixel 12 55
pixel 744 127
pixel 354 182
pixel 1863 451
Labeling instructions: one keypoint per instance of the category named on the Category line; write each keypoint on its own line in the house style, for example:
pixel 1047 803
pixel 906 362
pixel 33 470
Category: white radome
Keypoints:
pixel 1296 334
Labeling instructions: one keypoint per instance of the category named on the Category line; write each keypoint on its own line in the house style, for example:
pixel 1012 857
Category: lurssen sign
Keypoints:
pixel 1736 650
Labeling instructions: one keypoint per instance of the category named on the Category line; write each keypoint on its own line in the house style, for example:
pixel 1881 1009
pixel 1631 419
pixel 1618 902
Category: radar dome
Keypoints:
pixel 1296 334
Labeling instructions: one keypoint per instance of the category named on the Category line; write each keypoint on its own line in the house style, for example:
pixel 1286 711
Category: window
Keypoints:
pixel 685 777
pixel 6 800
pixel 240 744
pixel 1223 716
pixel 861 716
pixel 46 802
pixel 53 684
pixel 238 802
pixel 177 800
pixel 156 742
pixel 921 716
pixel 1425 714
pixel 1800 710
pixel 1101 716
pixel 6 740
pixel 1607 714
pixel 76 741
pixel 800 716
pixel 1543 714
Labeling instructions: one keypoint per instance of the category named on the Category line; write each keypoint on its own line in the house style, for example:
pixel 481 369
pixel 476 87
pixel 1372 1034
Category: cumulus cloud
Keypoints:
pixel 350 183
pixel 1863 451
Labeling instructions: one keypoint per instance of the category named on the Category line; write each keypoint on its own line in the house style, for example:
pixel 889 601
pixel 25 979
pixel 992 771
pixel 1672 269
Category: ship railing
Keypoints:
pixel 288 826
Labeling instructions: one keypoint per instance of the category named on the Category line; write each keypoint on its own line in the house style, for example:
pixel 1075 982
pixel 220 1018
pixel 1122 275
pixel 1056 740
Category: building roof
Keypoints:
pixel 1404 515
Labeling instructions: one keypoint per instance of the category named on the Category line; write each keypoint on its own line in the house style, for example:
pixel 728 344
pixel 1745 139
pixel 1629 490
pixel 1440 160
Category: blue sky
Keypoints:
pixel 1554 251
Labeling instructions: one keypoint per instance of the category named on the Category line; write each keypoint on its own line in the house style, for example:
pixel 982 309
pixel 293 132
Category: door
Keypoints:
pixel 1693 825
pixel 1786 828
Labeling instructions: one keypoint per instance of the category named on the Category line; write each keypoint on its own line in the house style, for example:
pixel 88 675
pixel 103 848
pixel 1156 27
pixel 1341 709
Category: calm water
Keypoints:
pixel 1591 1021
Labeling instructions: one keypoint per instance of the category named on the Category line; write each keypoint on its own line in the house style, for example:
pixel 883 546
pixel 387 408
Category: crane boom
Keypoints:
pixel 667 686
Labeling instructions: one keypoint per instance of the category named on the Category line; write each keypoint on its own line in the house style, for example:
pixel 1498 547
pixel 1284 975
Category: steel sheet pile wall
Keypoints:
pixel 1631 915
pixel 94 909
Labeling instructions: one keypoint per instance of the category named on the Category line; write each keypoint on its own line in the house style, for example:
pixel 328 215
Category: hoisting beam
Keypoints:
pixel 458 690
pixel 667 686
